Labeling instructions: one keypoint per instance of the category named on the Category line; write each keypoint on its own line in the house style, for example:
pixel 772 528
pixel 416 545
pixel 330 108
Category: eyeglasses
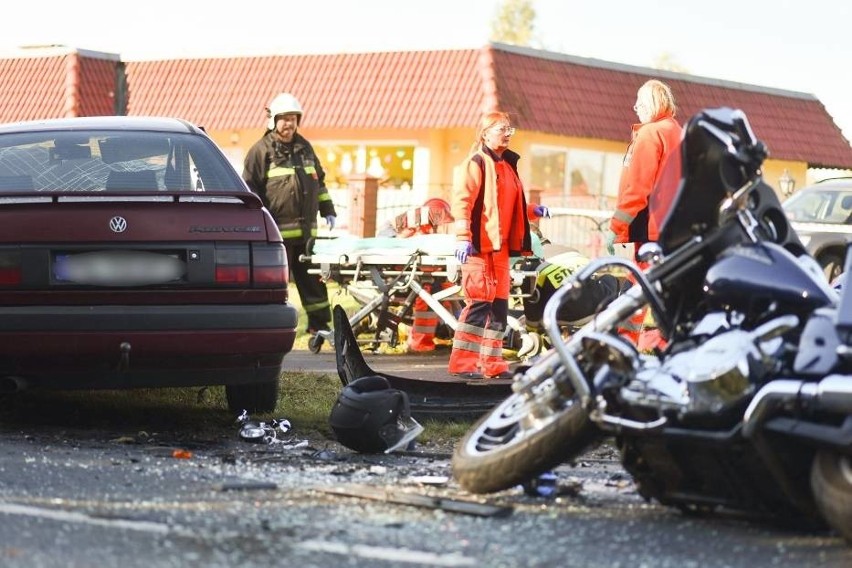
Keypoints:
pixel 510 130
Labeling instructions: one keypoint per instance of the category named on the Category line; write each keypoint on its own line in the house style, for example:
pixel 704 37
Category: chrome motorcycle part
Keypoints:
pixel 820 345
pixel 831 394
pixel 252 431
pixel 711 324
pixel 716 374
pixel 721 372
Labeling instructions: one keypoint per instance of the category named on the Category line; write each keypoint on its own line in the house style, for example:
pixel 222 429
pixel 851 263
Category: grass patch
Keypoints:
pixel 306 401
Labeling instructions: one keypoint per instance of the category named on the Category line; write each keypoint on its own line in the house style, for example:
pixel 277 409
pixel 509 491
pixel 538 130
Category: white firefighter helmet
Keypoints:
pixel 284 103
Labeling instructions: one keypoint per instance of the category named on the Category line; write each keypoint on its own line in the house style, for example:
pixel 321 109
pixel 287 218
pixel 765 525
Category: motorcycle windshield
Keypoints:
pixel 706 168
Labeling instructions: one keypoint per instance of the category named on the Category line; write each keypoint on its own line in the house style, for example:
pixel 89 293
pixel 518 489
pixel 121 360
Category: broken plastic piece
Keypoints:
pixel 407 429
pixel 542 486
pixel 256 432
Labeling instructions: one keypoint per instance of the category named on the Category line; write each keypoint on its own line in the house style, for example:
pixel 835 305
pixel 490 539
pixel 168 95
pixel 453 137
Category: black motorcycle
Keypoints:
pixel 748 407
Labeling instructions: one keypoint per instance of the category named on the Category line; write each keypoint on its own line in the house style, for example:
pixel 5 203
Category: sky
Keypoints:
pixel 798 45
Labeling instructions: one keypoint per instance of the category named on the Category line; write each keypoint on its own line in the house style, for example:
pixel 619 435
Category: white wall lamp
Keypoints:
pixel 786 183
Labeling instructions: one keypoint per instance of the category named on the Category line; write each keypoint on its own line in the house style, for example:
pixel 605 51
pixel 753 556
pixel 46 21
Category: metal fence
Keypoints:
pixel 580 229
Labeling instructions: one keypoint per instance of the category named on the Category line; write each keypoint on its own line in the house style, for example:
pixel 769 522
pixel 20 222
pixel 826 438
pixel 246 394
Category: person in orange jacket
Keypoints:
pixel 656 136
pixel 432 217
pixel 491 224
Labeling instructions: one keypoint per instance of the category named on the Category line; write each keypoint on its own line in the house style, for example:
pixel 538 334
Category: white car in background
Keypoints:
pixel 821 214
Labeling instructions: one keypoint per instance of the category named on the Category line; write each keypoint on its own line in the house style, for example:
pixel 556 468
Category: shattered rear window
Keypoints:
pixel 112 162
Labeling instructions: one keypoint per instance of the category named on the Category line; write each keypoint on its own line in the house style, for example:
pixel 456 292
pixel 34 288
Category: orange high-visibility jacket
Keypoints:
pixel 475 206
pixel 643 163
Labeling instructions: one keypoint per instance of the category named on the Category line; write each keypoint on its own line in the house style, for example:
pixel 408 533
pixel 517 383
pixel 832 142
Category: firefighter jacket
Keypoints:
pixel 643 164
pixel 290 180
pixel 477 210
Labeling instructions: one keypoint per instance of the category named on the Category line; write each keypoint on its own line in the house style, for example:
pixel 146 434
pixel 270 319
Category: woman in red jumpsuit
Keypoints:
pixel 491 224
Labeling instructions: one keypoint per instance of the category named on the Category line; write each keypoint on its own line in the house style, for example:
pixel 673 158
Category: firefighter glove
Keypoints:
pixel 330 219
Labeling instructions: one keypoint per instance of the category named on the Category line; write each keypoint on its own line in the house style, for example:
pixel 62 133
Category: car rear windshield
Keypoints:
pixel 113 162
pixel 815 205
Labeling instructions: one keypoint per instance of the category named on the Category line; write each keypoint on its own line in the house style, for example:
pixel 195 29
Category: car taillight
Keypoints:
pixel 232 266
pixel 10 268
pixel 269 266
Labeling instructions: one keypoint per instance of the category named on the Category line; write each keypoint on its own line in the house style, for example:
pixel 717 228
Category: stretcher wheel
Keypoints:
pixel 315 343
pixel 393 341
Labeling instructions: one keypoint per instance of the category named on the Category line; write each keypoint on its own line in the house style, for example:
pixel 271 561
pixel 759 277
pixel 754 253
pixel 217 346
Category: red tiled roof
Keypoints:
pixel 434 89
pixel 546 92
pixel 57 83
pixel 589 98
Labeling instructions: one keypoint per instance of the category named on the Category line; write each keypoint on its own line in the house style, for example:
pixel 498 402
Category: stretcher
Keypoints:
pixel 385 275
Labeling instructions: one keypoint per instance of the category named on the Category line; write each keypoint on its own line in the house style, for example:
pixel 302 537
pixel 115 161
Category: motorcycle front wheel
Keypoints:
pixel 831 482
pixel 509 445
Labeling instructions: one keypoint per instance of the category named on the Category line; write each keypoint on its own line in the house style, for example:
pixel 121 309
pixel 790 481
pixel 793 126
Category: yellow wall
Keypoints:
pixel 447 147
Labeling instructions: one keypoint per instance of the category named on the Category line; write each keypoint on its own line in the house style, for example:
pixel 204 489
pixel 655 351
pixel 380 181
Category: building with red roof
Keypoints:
pixel 408 117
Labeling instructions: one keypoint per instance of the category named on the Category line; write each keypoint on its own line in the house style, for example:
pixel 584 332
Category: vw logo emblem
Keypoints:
pixel 118 224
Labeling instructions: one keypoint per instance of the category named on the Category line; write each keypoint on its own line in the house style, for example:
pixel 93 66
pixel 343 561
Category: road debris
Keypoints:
pixel 264 432
pixel 418 500
pixel 247 485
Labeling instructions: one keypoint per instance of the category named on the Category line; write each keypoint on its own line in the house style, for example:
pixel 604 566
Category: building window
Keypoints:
pixel 573 177
pixel 392 165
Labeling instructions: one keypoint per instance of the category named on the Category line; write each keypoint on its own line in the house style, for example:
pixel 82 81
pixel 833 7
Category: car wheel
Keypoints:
pixel 253 398
pixel 832 265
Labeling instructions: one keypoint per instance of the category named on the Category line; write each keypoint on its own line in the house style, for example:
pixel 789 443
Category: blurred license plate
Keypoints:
pixel 117 268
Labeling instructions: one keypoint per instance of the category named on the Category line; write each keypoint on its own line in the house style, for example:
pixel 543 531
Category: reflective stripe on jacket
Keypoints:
pixel 475 206
pixel 291 182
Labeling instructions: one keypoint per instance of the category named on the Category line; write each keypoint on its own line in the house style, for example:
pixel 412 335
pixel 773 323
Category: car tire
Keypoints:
pixel 253 398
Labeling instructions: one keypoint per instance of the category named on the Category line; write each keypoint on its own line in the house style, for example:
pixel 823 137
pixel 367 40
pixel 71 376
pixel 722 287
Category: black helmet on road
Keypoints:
pixel 371 417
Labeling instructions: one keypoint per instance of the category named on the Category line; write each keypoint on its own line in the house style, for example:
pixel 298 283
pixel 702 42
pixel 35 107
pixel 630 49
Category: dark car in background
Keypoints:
pixel 133 255
pixel 821 214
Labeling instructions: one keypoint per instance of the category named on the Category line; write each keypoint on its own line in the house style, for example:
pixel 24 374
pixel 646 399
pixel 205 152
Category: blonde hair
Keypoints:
pixel 657 97
pixel 486 121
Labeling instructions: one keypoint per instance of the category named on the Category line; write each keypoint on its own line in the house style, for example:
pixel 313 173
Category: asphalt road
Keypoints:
pixel 82 489
pixel 121 496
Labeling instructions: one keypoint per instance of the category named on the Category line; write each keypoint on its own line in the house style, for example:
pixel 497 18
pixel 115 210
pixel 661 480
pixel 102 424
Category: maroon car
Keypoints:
pixel 132 254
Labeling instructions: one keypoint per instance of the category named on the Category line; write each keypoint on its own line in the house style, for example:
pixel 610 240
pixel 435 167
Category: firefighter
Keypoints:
pixel 492 223
pixel 283 169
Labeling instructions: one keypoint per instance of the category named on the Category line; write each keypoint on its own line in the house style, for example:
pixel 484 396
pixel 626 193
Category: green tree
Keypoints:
pixel 514 23
pixel 667 62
